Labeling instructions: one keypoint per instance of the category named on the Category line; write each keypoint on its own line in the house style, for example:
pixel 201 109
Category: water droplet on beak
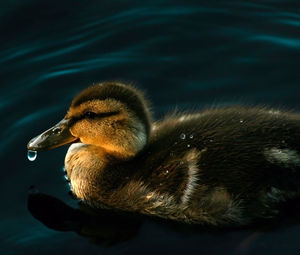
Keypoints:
pixel 31 155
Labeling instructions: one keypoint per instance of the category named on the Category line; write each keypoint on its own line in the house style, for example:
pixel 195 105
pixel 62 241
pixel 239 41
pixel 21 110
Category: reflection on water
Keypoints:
pixel 183 53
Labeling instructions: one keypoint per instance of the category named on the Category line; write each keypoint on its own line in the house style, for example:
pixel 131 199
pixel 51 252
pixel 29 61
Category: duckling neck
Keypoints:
pixel 119 152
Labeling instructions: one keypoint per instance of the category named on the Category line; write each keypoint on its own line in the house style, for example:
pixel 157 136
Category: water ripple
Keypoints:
pixel 280 41
pixel 290 22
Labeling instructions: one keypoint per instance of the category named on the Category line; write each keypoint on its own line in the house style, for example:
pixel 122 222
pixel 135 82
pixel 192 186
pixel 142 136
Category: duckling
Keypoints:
pixel 219 167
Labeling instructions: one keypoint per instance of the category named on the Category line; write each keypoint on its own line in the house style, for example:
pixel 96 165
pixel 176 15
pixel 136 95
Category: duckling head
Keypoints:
pixel 111 115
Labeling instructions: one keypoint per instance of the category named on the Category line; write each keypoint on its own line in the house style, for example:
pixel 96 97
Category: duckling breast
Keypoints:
pixel 83 164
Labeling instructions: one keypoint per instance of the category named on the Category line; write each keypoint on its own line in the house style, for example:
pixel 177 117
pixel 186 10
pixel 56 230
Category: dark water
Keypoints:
pixel 183 53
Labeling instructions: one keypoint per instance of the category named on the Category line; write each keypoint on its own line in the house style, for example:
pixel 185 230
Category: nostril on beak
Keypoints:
pixel 57 130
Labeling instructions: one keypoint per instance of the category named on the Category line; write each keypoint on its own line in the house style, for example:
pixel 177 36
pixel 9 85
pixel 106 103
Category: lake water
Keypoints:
pixel 184 54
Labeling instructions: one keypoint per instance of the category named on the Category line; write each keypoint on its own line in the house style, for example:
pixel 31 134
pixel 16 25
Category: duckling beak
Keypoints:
pixel 54 137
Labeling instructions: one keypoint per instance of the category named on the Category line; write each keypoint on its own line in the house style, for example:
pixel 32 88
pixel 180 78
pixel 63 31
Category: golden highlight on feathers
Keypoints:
pixel 121 122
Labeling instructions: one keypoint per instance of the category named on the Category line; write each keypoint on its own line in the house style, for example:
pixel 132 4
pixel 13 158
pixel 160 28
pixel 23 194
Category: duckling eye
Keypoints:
pixel 90 115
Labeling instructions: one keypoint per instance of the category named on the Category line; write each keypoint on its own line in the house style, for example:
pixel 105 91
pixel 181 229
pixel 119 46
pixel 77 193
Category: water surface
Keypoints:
pixel 185 54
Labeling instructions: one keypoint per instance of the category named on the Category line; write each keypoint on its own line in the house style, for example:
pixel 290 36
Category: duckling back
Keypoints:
pixel 221 166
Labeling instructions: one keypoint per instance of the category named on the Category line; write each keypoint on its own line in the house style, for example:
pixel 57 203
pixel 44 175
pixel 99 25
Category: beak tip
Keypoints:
pixel 33 145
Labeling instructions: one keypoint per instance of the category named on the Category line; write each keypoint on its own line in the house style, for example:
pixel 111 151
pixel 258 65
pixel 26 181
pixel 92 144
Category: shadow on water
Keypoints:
pixel 108 228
